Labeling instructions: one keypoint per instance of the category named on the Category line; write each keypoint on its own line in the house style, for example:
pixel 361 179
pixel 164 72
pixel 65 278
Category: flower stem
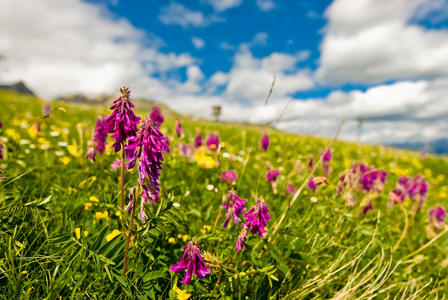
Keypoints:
pixel 122 190
pixel 128 241
pixel 405 229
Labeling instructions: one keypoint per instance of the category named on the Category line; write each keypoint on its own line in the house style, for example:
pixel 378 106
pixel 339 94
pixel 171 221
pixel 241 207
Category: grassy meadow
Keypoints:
pixel 61 233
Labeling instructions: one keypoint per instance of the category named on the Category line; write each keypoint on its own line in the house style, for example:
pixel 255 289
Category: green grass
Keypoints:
pixel 324 249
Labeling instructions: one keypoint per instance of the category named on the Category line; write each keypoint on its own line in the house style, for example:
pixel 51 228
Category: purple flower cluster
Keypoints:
pixel 264 142
pixel 437 216
pixel 416 188
pixel 122 122
pixel 156 116
pixel 229 176
pixel 242 239
pixel 178 128
pixel 192 262
pixel 326 162
pixel 198 140
pixel 145 149
pixel 272 175
pixel 234 207
pixel 98 142
pixel 257 217
pixel 213 142
pixel 366 179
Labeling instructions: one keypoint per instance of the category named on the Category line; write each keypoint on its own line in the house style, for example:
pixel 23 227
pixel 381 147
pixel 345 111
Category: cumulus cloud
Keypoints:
pixel 372 42
pixel 406 111
pixel 67 47
pixel 222 5
pixel 177 14
pixel 265 5
pixel 198 42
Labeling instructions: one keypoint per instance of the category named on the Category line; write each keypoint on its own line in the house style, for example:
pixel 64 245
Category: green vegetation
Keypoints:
pixel 59 213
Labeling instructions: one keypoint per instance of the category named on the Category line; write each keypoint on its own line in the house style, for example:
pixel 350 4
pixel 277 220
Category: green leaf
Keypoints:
pixel 106 260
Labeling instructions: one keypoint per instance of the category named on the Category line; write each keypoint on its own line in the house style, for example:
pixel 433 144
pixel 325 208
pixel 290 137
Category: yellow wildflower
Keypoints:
pixel 32 131
pixel 179 236
pixel 185 238
pixel 87 205
pixel 206 162
pixel 12 134
pixel 65 160
pixel 78 233
pixel 213 146
pixel 86 233
pixel 94 199
pixel 176 289
pixel 73 150
pixel 183 295
pixel 113 234
pixel 99 215
pixel 171 240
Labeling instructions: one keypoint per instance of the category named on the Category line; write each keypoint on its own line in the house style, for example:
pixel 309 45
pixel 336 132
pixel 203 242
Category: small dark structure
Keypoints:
pixel 217 112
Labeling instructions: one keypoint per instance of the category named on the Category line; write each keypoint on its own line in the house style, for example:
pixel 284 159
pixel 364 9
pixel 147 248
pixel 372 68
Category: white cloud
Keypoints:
pixel 369 41
pixel 177 14
pixel 67 47
pixel 197 42
pixel 222 5
pixel 265 5
pixel 407 111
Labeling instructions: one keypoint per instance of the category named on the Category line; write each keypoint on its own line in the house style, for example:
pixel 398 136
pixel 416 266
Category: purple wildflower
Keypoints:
pixel 326 162
pixel 98 142
pixel 116 164
pixel 264 142
pixel 229 176
pixel 37 127
pixel 122 122
pixel 1 125
pixel 1 152
pixel 242 239
pixel 234 207
pixel 367 179
pixel 312 185
pixel 366 209
pixel 145 149
pixel 272 175
pixel 131 200
pixel 437 216
pixel 156 116
pixel 416 188
pixel 311 162
pixel 178 128
pixel 192 262
pixel 257 217
pixel 290 189
pixel 166 143
pixel 198 140
pixel 46 110
pixel 213 142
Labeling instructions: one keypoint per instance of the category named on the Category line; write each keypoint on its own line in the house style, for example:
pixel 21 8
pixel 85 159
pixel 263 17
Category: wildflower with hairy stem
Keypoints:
pixel 326 162
pixel 123 124
pixel 257 217
pixel 192 262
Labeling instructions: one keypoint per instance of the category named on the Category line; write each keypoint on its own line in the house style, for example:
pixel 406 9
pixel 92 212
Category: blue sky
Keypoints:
pixel 385 61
